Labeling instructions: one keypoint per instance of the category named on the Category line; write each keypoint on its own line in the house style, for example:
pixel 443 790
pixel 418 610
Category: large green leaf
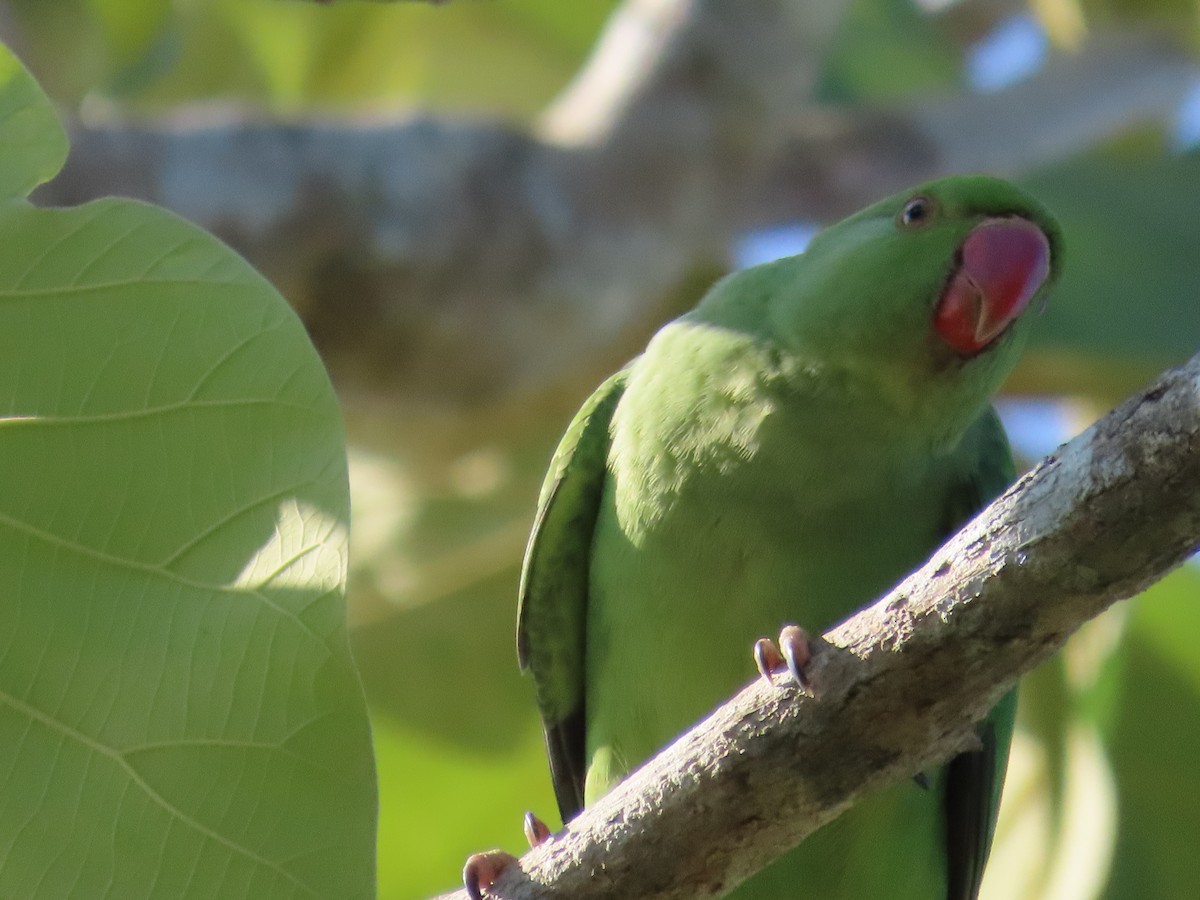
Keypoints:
pixel 179 713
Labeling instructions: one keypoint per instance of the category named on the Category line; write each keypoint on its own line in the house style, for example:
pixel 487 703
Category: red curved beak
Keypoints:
pixel 1003 263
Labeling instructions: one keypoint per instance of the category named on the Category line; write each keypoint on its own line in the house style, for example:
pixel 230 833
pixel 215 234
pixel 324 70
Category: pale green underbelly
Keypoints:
pixel 671 623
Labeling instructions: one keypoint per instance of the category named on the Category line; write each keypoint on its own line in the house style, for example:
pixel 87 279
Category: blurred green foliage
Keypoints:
pixel 1154 740
pixel 504 57
pixel 1100 798
pixel 1129 301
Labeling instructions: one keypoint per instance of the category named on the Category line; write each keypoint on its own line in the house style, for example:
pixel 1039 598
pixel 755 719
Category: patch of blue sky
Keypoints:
pixel 767 244
pixel 1012 51
pixel 1037 426
pixel 1186 135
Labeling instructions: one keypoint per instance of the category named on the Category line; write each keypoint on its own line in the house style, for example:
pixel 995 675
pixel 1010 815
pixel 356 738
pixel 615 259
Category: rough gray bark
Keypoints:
pixel 900 684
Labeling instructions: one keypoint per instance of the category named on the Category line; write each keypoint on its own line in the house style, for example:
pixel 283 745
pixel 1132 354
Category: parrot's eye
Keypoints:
pixel 917 212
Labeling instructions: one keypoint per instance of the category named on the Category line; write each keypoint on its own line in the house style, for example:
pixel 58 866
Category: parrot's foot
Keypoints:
pixel 794 652
pixel 536 831
pixel 482 870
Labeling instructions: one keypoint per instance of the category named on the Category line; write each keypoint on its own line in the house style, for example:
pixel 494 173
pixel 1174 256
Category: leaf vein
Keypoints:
pixel 134 776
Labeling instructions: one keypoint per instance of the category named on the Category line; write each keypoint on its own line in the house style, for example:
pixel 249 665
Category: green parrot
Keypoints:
pixel 786 452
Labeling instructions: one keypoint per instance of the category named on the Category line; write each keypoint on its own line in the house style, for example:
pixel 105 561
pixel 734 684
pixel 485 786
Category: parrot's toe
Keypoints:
pixel 536 831
pixel 796 649
pixel 767 658
pixel 794 653
pixel 482 870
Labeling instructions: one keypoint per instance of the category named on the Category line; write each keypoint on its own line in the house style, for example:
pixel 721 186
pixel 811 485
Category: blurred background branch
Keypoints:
pixel 480 209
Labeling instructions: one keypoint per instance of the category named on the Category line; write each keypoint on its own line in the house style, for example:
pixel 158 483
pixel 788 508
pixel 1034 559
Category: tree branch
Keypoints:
pixel 899 685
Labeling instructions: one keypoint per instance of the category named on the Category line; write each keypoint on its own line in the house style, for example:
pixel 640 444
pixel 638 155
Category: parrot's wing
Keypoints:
pixel 552 611
pixel 973 780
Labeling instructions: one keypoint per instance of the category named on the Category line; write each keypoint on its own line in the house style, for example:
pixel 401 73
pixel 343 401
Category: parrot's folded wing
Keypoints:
pixel 552 615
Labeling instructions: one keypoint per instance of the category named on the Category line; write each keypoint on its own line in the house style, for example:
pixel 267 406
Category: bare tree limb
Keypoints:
pixel 703 69
pixel 900 684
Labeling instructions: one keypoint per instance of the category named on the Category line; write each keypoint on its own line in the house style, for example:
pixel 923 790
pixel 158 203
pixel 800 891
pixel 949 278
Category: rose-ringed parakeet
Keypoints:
pixel 786 452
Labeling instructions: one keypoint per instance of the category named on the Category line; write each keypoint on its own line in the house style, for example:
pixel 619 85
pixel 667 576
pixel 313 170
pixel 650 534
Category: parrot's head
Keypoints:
pixel 927 296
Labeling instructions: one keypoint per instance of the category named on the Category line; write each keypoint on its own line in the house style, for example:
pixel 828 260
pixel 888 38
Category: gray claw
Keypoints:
pixel 536 831
pixel 767 658
pixel 796 649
